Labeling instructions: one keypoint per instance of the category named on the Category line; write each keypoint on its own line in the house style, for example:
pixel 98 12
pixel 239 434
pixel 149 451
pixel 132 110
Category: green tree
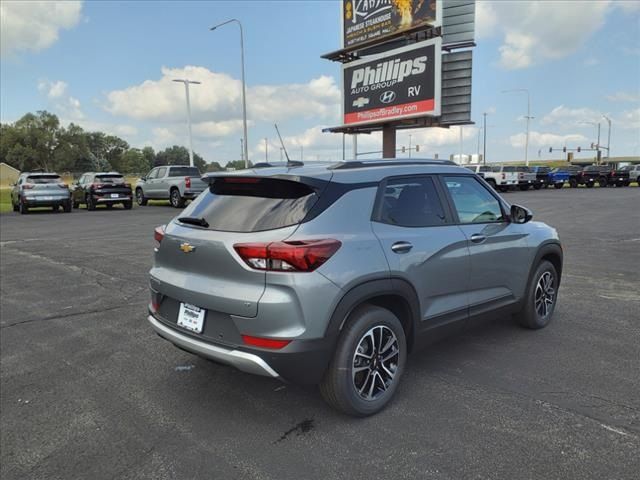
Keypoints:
pixel 134 161
pixel 37 136
pixel 214 167
pixel 236 165
pixel 179 155
pixel 150 158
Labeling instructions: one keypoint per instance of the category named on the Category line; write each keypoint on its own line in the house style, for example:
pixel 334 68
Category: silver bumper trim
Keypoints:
pixel 244 361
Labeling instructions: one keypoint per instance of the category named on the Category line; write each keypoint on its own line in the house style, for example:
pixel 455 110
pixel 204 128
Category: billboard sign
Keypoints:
pixel 397 84
pixel 364 21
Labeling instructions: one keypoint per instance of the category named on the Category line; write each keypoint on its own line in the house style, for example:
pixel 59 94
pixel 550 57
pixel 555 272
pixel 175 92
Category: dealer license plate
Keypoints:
pixel 114 195
pixel 47 198
pixel 191 317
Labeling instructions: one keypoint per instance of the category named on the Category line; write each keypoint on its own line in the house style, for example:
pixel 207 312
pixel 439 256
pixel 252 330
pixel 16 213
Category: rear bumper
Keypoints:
pixel 244 361
pixel 192 193
pixel 42 202
pixel 106 198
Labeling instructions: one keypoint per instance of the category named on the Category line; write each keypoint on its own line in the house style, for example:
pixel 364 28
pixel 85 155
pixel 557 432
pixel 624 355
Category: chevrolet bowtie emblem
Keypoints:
pixel 187 247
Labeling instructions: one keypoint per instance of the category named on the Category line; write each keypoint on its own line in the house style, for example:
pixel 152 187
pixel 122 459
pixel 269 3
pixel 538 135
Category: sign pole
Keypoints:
pixel 388 141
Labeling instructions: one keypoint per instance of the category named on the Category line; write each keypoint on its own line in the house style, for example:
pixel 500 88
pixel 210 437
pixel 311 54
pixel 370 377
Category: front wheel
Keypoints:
pixel 368 363
pixel 140 198
pixel 540 300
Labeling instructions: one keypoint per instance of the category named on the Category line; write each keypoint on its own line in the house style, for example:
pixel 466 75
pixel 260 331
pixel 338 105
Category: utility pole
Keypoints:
pixel 484 142
pixel 460 155
pixel 301 153
pixel 608 136
pixel 528 117
pixel 266 151
pixel 355 146
pixel 409 145
pixel 242 151
pixel 187 82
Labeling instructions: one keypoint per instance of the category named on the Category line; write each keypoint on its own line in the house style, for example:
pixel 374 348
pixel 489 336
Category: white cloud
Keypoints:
pixel 34 26
pixel 218 98
pixel 538 139
pixel 591 62
pixel 64 104
pixel 533 32
pixel 624 97
pixel 571 117
pixel 629 120
pixel 52 89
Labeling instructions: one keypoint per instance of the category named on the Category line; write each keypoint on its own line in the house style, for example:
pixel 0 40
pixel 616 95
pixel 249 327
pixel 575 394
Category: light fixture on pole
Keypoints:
pixel 244 88
pixel 188 82
pixel 528 117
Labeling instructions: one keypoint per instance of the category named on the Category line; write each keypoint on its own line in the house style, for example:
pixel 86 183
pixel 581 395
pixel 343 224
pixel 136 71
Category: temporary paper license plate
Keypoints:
pixel 47 198
pixel 114 195
pixel 191 317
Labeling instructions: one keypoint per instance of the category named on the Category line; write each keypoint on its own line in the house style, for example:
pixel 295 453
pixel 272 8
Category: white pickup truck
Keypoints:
pixel 500 177
pixel 176 183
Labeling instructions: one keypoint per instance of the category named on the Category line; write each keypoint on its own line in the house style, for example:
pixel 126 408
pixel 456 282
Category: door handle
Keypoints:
pixel 401 247
pixel 478 238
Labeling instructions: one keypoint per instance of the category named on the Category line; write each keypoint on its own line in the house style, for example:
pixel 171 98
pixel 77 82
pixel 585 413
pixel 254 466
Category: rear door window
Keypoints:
pixel 243 204
pixel 411 202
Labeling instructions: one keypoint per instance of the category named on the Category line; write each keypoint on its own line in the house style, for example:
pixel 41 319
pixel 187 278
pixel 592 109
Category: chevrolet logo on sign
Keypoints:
pixel 360 102
pixel 187 247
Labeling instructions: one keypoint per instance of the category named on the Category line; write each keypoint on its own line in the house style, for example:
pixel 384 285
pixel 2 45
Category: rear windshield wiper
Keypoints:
pixel 199 221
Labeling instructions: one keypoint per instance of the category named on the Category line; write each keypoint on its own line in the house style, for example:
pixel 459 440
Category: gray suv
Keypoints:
pixel 176 183
pixel 331 274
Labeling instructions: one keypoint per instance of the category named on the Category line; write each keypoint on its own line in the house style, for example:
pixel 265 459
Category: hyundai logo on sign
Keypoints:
pixel 388 96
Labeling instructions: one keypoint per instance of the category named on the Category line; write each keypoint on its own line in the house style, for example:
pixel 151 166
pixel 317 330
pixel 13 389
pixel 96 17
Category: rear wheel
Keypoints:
pixel 23 208
pixel 176 200
pixel 538 186
pixel 91 204
pixel 573 183
pixel 589 184
pixel 540 300
pixel 15 206
pixel 109 206
pixel 492 182
pixel 55 208
pixel 128 205
pixel 67 207
pixel 368 362
pixel 76 204
pixel 558 185
pixel 602 182
pixel 140 198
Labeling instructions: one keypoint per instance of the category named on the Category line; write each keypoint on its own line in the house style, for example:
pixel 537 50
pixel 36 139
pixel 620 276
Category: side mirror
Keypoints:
pixel 520 214
pixel 143 179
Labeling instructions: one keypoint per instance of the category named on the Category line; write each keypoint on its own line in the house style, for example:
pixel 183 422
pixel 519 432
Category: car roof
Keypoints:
pixel 351 171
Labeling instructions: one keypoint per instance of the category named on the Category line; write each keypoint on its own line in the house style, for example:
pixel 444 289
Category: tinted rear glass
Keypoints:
pixel 241 204
pixel 109 178
pixel 184 172
pixel 508 169
pixel 43 179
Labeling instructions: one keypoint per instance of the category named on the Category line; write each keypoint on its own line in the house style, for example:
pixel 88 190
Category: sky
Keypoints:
pixel 109 66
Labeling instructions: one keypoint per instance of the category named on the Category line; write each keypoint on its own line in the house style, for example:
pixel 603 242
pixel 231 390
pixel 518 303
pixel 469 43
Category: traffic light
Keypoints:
pixel 579 148
pixel 417 148
pixel 564 149
pixel 592 145
pixel 403 149
pixel 550 149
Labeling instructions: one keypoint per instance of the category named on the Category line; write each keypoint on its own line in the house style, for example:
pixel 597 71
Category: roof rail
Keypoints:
pixel 387 163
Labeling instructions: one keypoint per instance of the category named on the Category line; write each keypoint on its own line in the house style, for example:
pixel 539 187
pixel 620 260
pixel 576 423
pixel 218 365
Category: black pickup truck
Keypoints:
pixel 604 175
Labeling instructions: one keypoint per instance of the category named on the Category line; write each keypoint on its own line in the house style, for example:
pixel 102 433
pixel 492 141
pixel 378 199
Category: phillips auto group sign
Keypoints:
pixel 368 20
pixel 393 85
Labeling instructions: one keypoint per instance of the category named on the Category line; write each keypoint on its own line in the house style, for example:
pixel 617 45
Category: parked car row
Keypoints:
pixel 506 177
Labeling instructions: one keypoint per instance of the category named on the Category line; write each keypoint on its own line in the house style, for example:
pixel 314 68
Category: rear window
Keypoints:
pixel 242 204
pixel 522 169
pixel 508 169
pixel 43 179
pixel 184 172
pixel 111 178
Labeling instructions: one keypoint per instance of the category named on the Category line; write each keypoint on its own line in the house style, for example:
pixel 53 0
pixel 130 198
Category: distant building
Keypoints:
pixel 8 174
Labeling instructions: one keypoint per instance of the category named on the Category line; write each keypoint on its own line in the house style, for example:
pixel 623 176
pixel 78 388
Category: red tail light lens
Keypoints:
pixel 291 256
pixel 127 185
pixel 265 342
pixel 158 234
pixel 63 185
pixel 27 186
pixel 97 185
pixel 187 182
pixel 504 175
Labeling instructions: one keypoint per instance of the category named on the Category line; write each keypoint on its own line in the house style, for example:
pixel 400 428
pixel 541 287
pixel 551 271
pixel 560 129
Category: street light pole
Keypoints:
pixel 608 136
pixel 187 82
pixel 529 117
pixel 266 151
pixel 244 88
pixel 484 141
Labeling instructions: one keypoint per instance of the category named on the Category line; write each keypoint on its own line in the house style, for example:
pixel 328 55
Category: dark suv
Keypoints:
pixel 331 274
pixel 102 188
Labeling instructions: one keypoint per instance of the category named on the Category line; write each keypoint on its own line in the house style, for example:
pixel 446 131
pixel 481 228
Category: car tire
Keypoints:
pixel 55 208
pixel 538 186
pixel 524 188
pixel 15 207
pixel 176 199
pixel 573 183
pixel 541 296
pixel 369 390
pixel 76 204
pixel 140 198
pixel 91 205
pixel 492 183
pixel 558 186
pixel 128 205
pixel 67 207
pixel 23 208
pixel 602 182
pixel 589 184
pixel 109 206
pixel 545 186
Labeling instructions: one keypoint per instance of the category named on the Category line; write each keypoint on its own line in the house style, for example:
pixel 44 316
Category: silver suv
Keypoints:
pixel 331 274
pixel 176 183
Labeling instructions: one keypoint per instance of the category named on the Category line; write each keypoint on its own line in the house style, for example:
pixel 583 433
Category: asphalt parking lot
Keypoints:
pixel 88 391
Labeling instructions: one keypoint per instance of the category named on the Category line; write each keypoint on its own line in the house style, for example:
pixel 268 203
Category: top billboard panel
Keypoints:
pixel 364 21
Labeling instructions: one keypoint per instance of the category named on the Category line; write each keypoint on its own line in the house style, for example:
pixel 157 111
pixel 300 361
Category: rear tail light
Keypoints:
pixel 504 175
pixel 292 256
pixel 156 300
pixel 27 186
pixel 613 172
pixel 97 185
pixel 187 182
pixel 158 234
pixel 241 180
pixel 265 342
pixel 63 185
pixel 127 185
